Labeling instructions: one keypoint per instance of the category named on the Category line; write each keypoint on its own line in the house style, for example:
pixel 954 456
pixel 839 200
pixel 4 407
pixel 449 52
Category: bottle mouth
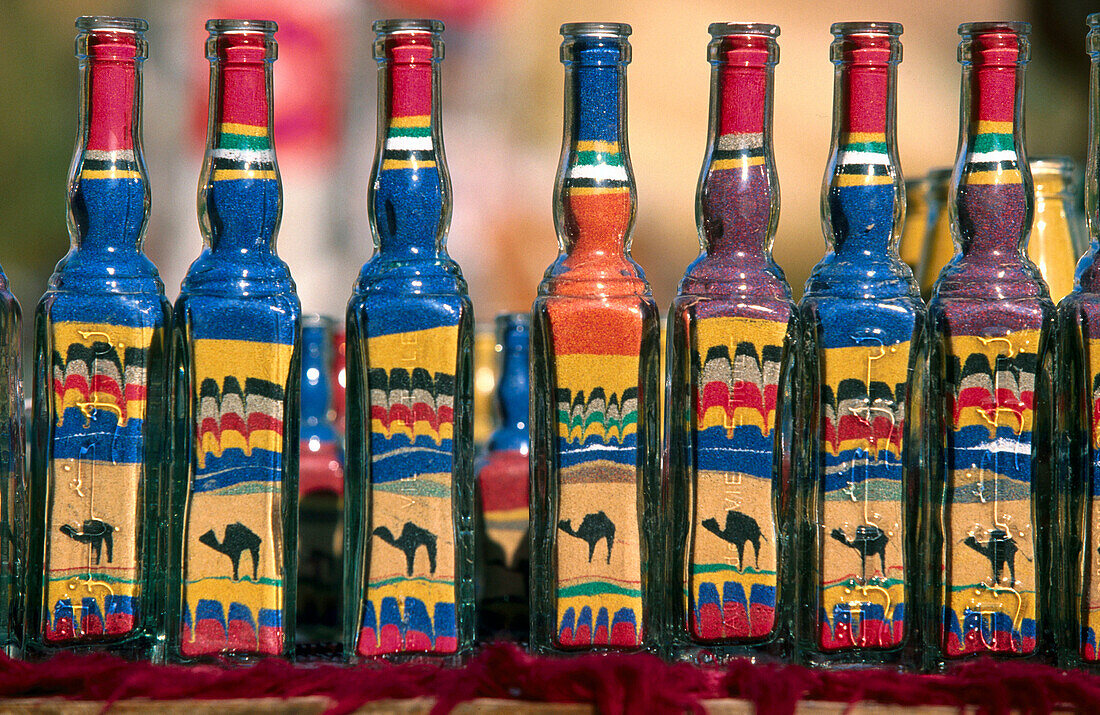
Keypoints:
pixel 724 29
pixel 88 23
pixel 1062 166
pixel 385 27
pixel 596 29
pixel 1000 28
pixel 892 29
pixel 223 26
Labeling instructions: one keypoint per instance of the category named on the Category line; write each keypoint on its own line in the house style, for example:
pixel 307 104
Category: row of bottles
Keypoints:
pixel 889 463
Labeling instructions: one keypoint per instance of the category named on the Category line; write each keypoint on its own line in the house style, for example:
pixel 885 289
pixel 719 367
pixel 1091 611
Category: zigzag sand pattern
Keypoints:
pixel 238 453
pixel 597 457
pixel 992 383
pixel 732 594
pixel 862 604
pixel 99 404
pixel 411 382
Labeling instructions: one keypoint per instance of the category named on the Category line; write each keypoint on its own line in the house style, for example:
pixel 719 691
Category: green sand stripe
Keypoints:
pixel 406 579
pixel 599 157
pixel 242 141
pixel 993 142
pixel 409 132
pixel 263 581
pixel 95 577
pixel 873 147
pixel 597 588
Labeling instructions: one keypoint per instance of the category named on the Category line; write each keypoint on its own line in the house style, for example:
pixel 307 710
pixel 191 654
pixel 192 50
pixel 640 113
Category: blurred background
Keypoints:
pixel 502 104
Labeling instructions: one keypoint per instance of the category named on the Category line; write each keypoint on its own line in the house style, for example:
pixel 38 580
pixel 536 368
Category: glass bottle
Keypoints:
pixel 730 330
pixel 594 379
pixel 100 370
pixel 320 491
pixel 409 506
pixel 13 493
pixel 1076 506
pixel 939 247
pixel 485 379
pixel 236 373
pixel 988 412
pixel 862 319
pixel 1057 230
pixel 503 488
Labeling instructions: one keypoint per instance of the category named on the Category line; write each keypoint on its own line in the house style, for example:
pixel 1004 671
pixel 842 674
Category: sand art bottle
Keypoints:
pixel 1076 505
pixel 988 411
pixel 730 331
pixel 862 319
pixel 503 484
pixel 100 370
pixel 408 571
pixel 594 380
pixel 236 379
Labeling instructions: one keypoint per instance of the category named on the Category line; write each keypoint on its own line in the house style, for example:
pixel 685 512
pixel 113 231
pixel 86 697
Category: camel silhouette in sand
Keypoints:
pixel 95 533
pixel 238 539
pixel 412 538
pixel 869 540
pixel 594 528
pixel 1000 549
pixel 740 529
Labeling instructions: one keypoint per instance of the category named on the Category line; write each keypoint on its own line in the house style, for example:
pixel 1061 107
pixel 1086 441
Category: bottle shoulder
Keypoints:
pixel 384 276
pixel 252 274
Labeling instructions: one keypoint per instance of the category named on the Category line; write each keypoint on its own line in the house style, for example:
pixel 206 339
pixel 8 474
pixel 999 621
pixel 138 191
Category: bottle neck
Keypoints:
pixel 410 202
pixel 595 184
pixel 240 202
pixel 991 202
pixel 863 201
pixel 737 206
pixel 109 188
pixel 1090 277
pixel 513 387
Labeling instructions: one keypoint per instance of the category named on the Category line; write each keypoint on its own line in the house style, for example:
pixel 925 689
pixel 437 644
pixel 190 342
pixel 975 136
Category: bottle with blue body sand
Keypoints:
pixel 731 329
pixel 595 361
pixel 988 413
pixel 1075 525
pixel 862 319
pixel 100 416
pixel 320 491
pixel 236 381
pixel 409 502
pixel 503 485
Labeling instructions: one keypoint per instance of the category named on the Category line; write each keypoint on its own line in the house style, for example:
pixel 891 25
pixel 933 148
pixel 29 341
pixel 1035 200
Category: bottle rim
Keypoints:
pixel 88 23
pixel 596 29
pixel 724 29
pixel 1052 165
pixel 385 27
pixel 861 27
pixel 223 25
pixel 1093 20
pixel 1016 27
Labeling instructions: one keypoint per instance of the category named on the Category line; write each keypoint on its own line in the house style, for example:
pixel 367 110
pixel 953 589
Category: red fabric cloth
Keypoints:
pixel 613 683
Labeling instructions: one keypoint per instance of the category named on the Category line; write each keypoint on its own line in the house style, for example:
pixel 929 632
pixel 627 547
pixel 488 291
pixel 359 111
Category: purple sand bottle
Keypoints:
pixel 503 487
pixel 409 502
pixel 595 367
pixel 988 412
pixel 731 328
pixel 1075 518
pixel 236 381
pixel 100 370
pixel 862 317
